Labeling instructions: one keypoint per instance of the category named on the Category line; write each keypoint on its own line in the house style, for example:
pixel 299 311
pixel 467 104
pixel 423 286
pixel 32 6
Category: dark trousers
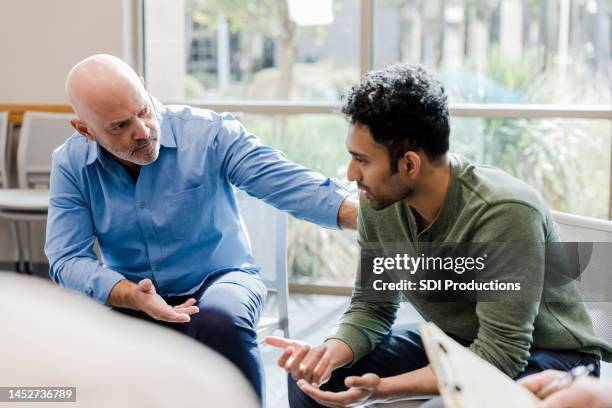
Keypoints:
pixel 230 306
pixel 402 351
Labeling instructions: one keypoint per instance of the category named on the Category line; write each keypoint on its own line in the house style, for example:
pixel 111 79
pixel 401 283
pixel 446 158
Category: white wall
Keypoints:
pixel 40 40
pixel 165 48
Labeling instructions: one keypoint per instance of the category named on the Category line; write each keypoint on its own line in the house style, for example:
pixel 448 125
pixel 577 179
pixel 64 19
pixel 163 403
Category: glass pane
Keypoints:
pixel 315 141
pixel 269 50
pixel 566 160
pixel 502 51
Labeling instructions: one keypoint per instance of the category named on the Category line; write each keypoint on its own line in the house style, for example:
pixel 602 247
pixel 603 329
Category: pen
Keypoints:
pixel 566 379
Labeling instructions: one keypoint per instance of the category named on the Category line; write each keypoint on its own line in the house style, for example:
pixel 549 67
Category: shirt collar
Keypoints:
pixel 166 138
pixel 450 209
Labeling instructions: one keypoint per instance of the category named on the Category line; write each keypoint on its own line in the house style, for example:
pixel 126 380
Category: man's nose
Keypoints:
pixel 141 131
pixel 352 173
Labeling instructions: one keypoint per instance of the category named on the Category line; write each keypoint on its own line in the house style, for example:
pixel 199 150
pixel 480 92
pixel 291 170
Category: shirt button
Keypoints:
pixel 142 204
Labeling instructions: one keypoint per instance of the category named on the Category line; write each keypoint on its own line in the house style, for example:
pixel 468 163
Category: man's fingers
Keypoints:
pixel 311 361
pixel 322 371
pixel 365 381
pixel 146 285
pixel 326 374
pixel 566 398
pixel 176 318
pixel 282 360
pixel 328 398
pixel 536 382
pixel 293 365
pixel 280 342
pixel 186 310
pixel 188 303
pixel 168 314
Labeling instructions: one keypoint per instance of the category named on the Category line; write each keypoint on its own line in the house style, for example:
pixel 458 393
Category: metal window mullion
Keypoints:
pixel 139 16
pixel 366 44
pixel 531 111
pixel 456 110
pixel 610 182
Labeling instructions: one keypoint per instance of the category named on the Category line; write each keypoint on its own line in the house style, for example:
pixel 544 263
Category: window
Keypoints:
pixel 528 82
pixel 502 51
pixel 263 50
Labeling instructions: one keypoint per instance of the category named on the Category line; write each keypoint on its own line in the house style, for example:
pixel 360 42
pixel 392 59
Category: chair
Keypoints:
pixel 576 228
pixel 267 231
pixel 40 134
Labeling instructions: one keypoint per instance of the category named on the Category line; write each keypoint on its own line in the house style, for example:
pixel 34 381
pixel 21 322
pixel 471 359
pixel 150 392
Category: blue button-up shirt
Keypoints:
pixel 178 223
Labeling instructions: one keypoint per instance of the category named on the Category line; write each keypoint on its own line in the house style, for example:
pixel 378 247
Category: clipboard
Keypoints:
pixel 467 381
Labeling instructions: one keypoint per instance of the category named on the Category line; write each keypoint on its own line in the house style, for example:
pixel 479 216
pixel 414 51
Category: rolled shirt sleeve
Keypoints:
pixel 70 237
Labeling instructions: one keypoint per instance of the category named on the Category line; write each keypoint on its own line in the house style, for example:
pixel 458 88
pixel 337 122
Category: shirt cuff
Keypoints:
pixel 357 341
pixel 102 283
pixel 331 201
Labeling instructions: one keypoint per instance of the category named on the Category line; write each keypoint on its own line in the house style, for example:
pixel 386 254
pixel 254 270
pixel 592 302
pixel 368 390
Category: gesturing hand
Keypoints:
pixel 302 361
pixel 361 390
pixel 586 392
pixel 146 299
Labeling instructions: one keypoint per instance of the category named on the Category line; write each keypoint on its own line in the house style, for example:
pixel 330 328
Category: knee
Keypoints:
pixel 209 323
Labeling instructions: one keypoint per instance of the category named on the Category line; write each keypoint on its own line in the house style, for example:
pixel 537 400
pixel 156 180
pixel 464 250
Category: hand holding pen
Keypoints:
pixel 573 389
pixel 565 380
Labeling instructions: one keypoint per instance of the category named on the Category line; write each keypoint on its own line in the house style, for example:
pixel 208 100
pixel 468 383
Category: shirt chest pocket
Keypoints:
pixel 188 213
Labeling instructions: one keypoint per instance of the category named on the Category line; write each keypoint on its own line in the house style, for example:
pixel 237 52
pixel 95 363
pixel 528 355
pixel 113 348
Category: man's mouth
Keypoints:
pixel 146 144
pixel 143 147
pixel 365 191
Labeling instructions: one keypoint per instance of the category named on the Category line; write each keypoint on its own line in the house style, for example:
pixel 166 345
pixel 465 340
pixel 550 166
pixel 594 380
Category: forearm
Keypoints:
pixel 413 383
pixel 364 324
pixel 341 354
pixel 121 295
pixel 347 215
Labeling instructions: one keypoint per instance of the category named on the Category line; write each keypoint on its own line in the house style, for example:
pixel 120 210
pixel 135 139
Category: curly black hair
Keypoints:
pixel 404 107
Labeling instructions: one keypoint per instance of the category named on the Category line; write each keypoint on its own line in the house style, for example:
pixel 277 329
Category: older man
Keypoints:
pixel 153 184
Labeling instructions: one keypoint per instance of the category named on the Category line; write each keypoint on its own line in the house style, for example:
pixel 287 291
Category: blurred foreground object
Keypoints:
pixel 54 338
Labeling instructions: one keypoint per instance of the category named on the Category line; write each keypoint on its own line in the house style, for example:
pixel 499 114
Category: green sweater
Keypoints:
pixel 483 204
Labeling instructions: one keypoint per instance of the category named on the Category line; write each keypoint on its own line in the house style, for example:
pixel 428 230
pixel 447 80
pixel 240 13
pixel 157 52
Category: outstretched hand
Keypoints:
pixel 149 301
pixel 361 390
pixel 303 361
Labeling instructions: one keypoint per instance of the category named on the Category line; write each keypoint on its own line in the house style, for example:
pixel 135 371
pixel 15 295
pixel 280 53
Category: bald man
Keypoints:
pixel 153 184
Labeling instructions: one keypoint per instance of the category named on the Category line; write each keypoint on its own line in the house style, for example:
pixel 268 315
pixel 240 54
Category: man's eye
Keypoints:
pixel 118 127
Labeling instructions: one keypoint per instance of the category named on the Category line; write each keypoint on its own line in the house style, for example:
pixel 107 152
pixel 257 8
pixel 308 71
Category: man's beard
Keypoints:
pixel 133 155
pixel 380 203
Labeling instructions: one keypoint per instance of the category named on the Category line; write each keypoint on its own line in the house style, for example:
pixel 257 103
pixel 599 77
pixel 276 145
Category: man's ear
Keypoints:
pixel 410 164
pixel 80 127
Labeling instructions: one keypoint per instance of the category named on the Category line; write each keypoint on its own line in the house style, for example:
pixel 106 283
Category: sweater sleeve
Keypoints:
pixel 366 321
pixel 516 233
